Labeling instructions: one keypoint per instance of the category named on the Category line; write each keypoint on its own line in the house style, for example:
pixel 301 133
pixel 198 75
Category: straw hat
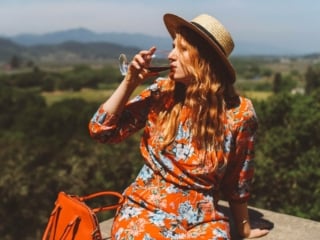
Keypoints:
pixel 209 29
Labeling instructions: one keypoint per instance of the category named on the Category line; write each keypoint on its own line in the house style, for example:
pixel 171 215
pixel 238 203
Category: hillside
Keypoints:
pixel 86 36
pixel 81 45
pixel 243 46
pixel 62 52
pixel 9 48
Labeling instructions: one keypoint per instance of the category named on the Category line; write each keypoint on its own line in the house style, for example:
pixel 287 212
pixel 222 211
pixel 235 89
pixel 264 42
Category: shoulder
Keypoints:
pixel 154 90
pixel 243 106
pixel 243 112
pixel 162 84
pixel 161 88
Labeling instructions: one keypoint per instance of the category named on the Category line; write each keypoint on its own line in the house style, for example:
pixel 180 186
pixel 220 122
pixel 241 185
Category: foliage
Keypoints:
pixel 15 62
pixel 312 78
pixel 79 77
pixel 283 84
pixel 287 155
pixel 251 67
pixel 254 85
pixel 45 148
pixel 277 82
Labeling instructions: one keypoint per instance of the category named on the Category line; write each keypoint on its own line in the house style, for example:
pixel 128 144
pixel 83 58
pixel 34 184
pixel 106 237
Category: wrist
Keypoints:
pixel 129 85
pixel 245 228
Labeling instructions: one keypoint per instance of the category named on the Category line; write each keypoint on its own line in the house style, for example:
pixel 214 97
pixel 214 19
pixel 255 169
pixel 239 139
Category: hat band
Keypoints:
pixel 209 35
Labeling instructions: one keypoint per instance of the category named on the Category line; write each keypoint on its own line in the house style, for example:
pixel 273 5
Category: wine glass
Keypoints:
pixel 158 59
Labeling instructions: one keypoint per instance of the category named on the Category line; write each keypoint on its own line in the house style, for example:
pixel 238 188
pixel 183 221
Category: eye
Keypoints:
pixel 174 43
pixel 183 49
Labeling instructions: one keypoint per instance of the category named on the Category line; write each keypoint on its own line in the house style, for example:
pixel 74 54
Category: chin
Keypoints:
pixel 183 80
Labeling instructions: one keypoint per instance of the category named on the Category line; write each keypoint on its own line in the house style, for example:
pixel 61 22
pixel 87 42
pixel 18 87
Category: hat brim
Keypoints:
pixel 173 22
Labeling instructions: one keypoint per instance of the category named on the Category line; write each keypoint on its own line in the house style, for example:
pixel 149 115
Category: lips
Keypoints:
pixel 172 66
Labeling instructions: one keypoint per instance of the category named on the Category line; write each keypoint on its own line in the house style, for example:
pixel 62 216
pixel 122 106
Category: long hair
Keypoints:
pixel 206 95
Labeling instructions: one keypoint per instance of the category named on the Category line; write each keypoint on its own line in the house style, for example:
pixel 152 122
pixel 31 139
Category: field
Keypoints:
pixel 255 77
pixel 90 95
pixel 258 95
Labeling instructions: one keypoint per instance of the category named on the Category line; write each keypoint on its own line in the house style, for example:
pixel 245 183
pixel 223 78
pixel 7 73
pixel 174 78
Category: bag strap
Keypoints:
pixel 105 193
pixel 52 223
pixel 48 228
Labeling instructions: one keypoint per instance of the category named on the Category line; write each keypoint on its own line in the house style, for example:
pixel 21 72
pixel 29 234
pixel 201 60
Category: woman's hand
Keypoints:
pixel 256 233
pixel 241 217
pixel 248 232
pixel 137 71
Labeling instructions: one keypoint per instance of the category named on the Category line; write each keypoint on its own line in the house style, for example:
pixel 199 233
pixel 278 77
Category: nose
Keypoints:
pixel 171 55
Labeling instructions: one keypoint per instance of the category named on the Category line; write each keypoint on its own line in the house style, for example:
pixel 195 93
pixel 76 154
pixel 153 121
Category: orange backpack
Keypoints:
pixel 72 219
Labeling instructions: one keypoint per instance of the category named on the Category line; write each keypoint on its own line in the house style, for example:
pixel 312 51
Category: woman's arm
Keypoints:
pixel 117 118
pixel 240 171
pixel 242 223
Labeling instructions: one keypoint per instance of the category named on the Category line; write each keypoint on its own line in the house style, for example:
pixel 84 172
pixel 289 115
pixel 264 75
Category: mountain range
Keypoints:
pixel 86 44
pixel 65 52
pixel 83 35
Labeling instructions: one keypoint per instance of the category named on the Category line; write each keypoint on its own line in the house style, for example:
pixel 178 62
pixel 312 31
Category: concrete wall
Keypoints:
pixel 283 227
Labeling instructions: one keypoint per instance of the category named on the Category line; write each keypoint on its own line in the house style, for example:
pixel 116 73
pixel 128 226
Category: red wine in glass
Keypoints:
pixel 123 66
pixel 158 69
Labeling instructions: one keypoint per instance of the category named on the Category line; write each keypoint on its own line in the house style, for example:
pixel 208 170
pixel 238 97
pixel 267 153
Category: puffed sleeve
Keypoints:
pixel 109 128
pixel 240 169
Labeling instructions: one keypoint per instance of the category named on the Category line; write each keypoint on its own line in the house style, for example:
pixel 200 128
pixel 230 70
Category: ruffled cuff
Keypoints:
pixel 103 124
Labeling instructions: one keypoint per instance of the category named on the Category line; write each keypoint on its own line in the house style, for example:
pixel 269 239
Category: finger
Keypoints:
pixel 142 60
pixel 152 50
pixel 139 60
pixel 143 74
pixel 147 55
pixel 264 232
pixel 256 233
pixel 134 65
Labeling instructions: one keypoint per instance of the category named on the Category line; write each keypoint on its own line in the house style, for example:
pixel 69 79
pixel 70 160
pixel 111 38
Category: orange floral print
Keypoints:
pixel 175 194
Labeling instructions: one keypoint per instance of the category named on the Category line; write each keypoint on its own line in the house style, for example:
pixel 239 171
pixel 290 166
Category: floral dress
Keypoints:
pixel 175 195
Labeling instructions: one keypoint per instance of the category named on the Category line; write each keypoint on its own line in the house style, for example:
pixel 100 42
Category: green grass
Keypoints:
pixel 89 95
pixel 258 95
pixel 100 95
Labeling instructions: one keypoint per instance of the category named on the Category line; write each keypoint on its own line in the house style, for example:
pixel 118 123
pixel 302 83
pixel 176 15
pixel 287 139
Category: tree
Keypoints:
pixel 283 84
pixel 48 84
pixel 287 156
pixel 15 62
pixel 277 83
pixel 47 149
pixel 312 77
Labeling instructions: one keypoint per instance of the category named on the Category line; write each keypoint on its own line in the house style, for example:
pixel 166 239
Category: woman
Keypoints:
pixel 197 140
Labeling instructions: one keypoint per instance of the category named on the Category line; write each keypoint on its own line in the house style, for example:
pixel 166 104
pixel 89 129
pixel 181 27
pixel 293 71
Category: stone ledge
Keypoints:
pixel 283 227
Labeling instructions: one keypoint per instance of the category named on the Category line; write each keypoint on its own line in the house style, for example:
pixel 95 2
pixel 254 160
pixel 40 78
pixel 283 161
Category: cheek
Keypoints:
pixel 181 70
pixel 186 58
pixel 180 75
pixel 184 68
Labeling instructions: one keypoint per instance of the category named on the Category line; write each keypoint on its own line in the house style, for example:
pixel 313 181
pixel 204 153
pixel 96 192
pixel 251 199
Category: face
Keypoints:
pixel 179 57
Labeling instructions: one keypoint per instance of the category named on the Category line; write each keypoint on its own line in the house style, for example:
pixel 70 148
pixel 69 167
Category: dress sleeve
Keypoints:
pixel 109 128
pixel 239 174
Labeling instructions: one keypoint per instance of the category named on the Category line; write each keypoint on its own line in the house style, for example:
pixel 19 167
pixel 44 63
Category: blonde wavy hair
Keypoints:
pixel 206 95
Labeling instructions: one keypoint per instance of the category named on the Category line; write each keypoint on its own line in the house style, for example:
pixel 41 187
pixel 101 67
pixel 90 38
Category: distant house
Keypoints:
pixel 298 90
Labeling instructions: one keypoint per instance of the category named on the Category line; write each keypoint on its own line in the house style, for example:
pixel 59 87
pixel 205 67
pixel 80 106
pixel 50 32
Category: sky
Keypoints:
pixel 279 23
